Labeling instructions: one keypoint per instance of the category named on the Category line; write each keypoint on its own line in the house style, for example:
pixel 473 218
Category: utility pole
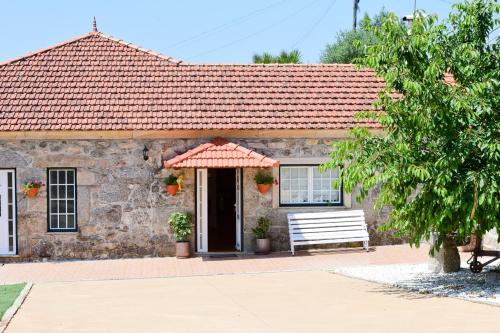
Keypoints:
pixel 355 9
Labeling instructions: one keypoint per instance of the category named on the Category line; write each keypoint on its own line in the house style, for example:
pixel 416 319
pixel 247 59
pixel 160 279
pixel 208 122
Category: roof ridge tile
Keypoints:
pixel 140 48
pixel 45 49
pixel 87 35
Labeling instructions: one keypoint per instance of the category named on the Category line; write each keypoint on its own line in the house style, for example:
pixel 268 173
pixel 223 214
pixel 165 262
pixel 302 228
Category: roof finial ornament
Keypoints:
pixel 94 25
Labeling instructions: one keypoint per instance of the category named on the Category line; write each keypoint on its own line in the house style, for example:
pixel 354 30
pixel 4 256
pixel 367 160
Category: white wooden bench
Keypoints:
pixel 327 228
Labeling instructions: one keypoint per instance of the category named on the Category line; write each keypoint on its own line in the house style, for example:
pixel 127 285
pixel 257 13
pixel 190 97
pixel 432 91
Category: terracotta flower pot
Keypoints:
pixel 182 250
pixel 172 189
pixel 264 188
pixel 32 192
pixel 262 246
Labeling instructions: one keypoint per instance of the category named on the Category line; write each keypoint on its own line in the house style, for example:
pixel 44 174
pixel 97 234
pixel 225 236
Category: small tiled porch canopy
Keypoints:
pixel 220 153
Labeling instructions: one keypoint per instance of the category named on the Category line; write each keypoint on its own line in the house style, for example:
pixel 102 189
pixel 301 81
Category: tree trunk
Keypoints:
pixel 447 259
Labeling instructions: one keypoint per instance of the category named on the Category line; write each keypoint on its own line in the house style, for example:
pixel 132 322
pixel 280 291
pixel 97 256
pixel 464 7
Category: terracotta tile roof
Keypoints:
pixel 449 79
pixel 220 153
pixel 97 82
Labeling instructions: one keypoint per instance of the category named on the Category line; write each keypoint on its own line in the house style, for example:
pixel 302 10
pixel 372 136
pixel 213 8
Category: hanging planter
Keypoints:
pixel 32 192
pixel 30 189
pixel 264 188
pixel 172 189
pixel 173 184
pixel 263 182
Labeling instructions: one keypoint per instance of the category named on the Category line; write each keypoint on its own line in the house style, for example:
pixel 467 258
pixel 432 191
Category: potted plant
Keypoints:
pixel 173 184
pixel 261 234
pixel 30 189
pixel 181 225
pixel 263 182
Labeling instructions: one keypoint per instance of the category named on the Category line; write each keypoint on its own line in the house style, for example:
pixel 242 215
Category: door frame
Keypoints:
pixel 239 221
pixel 16 235
pixel 201 175
pixel 196 205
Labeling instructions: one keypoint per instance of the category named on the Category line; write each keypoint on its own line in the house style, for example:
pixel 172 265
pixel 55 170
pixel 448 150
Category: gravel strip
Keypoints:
pixel 463 284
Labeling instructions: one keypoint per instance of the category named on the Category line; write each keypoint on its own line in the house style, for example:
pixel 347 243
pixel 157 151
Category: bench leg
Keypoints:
pixel 365 245
pixel 293 250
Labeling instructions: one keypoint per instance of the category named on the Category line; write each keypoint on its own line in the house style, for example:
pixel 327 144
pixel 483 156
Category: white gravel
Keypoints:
pixel 418 277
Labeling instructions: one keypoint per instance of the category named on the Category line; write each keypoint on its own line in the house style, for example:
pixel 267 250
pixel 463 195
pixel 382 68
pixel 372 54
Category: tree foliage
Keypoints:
pixel 352 44
pixel 291 57
pixel 438 161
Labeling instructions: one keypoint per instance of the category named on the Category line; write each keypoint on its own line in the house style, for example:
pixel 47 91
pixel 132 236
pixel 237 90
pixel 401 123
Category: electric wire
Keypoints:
pixel 286 18
pixel 314 26
pixel 225 26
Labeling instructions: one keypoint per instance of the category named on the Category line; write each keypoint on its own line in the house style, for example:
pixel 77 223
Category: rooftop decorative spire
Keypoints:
pixel 94 25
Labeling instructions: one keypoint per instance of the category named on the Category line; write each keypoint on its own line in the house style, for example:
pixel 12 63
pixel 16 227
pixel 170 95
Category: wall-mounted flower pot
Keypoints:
pixel 30 189
pixel 32 192
pixel 172 189
pixel 264 188
pixel 182 250
pixel 262 246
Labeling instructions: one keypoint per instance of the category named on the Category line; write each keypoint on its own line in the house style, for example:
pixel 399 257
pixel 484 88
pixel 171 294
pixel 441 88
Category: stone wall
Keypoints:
pixel 122 206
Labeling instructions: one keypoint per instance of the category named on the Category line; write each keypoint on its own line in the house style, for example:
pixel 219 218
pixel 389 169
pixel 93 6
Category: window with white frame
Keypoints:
pixel 307 185
pixel 62 199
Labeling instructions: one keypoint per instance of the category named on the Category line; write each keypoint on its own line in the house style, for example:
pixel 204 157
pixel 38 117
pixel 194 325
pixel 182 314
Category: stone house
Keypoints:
pixel 83 115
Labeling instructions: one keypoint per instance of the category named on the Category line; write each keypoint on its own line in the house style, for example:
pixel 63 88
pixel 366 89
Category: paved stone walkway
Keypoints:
pixel 171 267
pixel 290 302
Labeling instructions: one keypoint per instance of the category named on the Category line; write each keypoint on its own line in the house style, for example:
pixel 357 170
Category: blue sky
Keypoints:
pixel 198 31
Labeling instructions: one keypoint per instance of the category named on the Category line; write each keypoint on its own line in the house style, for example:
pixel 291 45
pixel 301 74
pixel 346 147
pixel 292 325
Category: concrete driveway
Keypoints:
pixel 310 301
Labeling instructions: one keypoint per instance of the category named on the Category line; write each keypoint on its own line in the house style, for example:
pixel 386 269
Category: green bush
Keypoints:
pixel 261 178
pixel 181 225
pixel 262 229
pixel 170 180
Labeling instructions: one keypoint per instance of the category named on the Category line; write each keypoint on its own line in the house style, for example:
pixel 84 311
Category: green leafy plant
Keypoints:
pixel 181 225
pixel 436 163
pixel 170 180
pixel 261 230
pixel 291 57
pixel 26 187
pixel 261 178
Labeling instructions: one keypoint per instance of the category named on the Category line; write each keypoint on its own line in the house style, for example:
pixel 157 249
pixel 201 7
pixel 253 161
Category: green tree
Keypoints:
pixel 291 57
pixel 438 161
pixel 352 44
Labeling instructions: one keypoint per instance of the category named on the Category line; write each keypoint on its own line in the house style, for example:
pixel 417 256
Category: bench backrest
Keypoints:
pixel 345 222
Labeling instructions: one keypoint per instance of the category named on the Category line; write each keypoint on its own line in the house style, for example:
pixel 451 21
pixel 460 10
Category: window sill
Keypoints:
pixel 314 204
pixel 65 233
pixel 314 207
